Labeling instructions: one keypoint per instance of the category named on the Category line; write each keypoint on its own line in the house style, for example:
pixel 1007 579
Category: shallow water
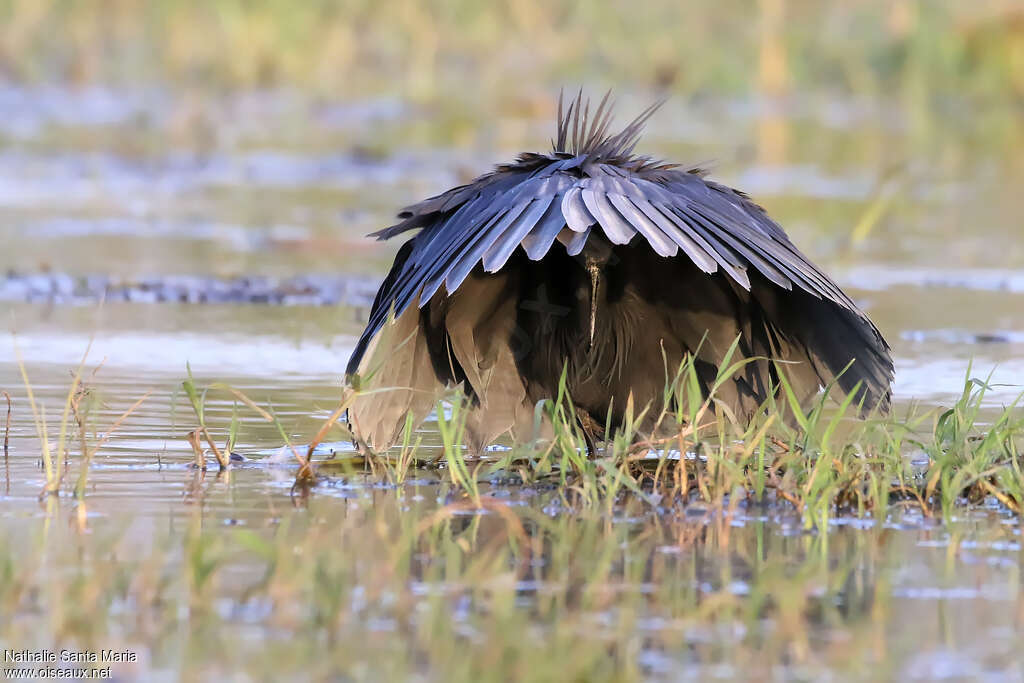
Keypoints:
pixel 145 188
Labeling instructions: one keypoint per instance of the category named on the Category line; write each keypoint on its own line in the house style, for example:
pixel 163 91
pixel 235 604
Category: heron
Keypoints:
pixel 598 268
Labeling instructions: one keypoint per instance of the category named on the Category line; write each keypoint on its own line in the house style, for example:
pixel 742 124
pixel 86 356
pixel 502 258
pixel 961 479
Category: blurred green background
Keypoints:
pixel 436 48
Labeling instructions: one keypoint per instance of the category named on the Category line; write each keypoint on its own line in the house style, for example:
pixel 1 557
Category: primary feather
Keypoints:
pixel 657 262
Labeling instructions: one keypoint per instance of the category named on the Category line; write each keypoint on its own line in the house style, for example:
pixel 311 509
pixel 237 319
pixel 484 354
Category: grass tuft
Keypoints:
pixel 820 459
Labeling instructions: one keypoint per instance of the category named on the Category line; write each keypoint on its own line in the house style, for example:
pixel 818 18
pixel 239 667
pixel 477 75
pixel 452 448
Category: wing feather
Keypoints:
pixel 783 259
pixel 435 259
pixel 732 212
pixel 661 242
pixel 729 261
pixel 741 247
pixel 537 190
pixel 675 229
pixel 470 249
pixel 500 251
pixel 614 226
pixel 478 221
pixel 573 241
pixel 575 211
pixel 543 235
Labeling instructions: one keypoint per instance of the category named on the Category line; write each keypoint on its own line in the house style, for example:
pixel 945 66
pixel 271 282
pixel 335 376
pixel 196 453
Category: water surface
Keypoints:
pixel 143 188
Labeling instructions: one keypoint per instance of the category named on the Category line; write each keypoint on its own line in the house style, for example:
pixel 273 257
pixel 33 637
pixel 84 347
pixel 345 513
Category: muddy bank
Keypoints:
pixel 301 290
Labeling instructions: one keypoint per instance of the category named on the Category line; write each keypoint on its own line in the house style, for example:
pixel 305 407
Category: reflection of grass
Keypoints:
pixel 397 588
pixel 7 423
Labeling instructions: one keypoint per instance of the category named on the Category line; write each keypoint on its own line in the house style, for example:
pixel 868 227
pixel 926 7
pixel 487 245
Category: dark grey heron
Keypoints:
pixel 653 261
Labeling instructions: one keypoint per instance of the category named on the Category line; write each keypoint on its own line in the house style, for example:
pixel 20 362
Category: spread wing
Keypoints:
pixel 597 185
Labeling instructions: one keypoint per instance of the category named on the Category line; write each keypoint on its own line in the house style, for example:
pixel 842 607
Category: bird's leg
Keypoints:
pixel 588 427
pixel 595 274
pixel 596 256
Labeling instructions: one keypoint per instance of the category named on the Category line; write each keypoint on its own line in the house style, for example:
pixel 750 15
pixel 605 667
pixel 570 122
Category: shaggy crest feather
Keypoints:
pixel 580 134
